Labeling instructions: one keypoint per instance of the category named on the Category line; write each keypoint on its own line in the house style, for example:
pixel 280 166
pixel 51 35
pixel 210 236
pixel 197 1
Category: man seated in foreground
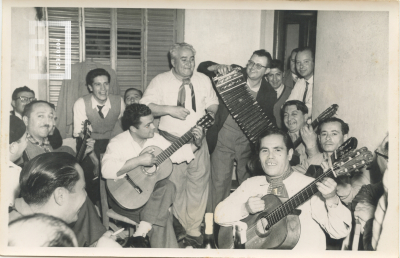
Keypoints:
pixel 40 230
pixel 323 211
pixel 54 184
pixel 123 154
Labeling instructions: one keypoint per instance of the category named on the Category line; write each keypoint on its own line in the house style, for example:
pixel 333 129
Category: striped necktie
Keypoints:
pixel 182 94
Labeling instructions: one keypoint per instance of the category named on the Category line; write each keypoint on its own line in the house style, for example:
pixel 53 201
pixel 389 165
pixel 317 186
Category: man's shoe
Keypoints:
pixel 138 242
pixel 180 231
pixel 195 242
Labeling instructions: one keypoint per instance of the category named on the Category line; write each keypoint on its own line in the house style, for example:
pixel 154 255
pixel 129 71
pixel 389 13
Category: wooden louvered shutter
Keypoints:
pixel 161 35
pixel 129 48
pixel 98 35
pixel 57 33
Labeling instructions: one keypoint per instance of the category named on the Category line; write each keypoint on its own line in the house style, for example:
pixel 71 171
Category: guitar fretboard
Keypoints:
pixel 296 200
pixel 174 147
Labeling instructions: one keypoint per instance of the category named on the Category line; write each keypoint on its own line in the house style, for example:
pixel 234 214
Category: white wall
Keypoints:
pixel 352 71
pixel 223 36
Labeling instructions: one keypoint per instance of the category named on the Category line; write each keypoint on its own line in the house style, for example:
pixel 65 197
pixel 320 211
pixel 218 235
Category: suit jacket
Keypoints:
pixel 266 97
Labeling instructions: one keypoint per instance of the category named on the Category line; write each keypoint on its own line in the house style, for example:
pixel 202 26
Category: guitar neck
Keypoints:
pixel 295 201
pixel 174 147
pixel 82 149
pixel 314 124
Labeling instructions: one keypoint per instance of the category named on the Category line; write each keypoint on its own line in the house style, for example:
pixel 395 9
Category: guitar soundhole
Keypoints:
pixel 150 171
pixel 261 225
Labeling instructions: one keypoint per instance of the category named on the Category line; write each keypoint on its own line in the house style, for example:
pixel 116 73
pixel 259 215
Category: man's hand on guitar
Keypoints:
pixel 90 145
pixel 327 187
pixel 198 135
pixel 148 159
pixel 308 135
pixel 178 112
pixel 254 204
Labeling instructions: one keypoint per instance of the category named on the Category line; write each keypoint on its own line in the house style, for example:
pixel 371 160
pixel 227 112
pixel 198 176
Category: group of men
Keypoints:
pixel 53 182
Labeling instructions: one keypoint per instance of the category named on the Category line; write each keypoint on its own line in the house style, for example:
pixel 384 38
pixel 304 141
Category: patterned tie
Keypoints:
pixel 100 113
pixel 182 94
pixel 305 92
pixel 276 185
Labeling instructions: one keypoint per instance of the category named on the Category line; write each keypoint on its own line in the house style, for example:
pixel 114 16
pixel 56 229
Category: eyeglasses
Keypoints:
pixel 381 154
pixel 26 99
pixel 258 66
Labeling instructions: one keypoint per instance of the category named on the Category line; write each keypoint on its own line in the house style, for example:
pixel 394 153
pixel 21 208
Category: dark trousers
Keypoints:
pixel 156 212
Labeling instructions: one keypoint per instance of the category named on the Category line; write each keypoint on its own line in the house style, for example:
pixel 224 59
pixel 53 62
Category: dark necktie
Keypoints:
pixel 100 113
pixel 182 94
pixel 305 92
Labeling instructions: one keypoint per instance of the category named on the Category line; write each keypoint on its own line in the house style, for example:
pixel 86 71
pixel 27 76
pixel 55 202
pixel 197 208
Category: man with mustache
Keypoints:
pixel 181 97
pixel 303 88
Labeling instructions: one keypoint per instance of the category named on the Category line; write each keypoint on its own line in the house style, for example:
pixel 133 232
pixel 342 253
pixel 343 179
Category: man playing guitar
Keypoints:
pixel 123 155
pixel 323 211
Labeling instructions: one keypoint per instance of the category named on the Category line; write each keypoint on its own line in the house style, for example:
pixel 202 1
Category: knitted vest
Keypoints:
pixel 102 128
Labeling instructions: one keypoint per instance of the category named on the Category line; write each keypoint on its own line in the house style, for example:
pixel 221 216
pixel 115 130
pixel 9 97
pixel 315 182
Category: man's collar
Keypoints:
pixel 95 103
pixel 16 114
pixel 311 79
pixel 35 141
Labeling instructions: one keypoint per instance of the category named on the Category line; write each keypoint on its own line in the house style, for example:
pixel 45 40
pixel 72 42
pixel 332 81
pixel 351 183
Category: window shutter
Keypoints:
pixel 129 48
pixel 58 33
pixel 97 35
pixel 161 36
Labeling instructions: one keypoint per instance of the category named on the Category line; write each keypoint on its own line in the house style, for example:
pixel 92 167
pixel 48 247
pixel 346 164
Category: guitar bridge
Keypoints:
pixel 135 186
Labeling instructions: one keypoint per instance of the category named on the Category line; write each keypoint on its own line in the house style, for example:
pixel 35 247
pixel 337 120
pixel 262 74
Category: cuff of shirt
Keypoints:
pixel 333 202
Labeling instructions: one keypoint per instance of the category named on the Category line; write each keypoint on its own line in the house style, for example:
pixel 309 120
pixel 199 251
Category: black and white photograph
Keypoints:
pixel 150 129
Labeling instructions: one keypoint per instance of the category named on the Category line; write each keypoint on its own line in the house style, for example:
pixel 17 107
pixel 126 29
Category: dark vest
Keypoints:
pixel 102 128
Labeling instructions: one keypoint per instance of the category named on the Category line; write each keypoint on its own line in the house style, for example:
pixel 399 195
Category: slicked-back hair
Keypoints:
pixel 58 234
pixel 299 106
pixel 94 73
pixel 175 48
pixel 303 49
pixel 21 89
pixel 42 175
pixel 132 115
pixel 275 63
pixel 344 126
pixel 263 52
pixel 28 108
pixel 254 164
pixel 134 89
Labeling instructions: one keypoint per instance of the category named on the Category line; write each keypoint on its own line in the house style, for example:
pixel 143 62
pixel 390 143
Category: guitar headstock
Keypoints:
pixel 206 121
pixel 86 130
pixel 329 112
pixel 354 160
pixel 344 149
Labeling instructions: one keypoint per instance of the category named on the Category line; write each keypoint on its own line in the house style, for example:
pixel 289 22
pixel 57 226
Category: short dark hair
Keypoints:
pixel 19 90
pixel 254 164
pixel 28 108
pixel 132 115
pixel 306 49
pixel 60 235
pixel 94 73
pixel 345 127
pixel 263 52
pixel 43 174
pixel 299 106
pixel 275 63
pixel 137 90
pixel 295 50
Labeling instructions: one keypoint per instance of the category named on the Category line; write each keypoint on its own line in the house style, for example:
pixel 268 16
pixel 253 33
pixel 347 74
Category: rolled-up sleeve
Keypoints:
pixel 335 220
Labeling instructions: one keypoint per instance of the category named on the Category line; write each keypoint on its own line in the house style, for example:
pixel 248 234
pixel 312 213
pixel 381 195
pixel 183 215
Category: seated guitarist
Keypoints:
pixel 122 156
pixel 323 211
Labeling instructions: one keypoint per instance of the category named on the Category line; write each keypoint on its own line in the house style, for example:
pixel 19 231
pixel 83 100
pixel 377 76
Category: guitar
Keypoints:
pixel 86 135
pixel 134 189
pixel 277 227
pixel 329 112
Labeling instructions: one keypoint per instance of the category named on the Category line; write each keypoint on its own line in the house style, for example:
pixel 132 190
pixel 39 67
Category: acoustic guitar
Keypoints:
pixel 134 189
pixel 278 226
pixel 329 112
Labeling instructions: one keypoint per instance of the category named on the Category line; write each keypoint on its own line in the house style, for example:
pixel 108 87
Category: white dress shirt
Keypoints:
pixel 279 91
pixel 80 112
pixel 298 92
pixel 123 148
pixel 315 214
pixel 164 89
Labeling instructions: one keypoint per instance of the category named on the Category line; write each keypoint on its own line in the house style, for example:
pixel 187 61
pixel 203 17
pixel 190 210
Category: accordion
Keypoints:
pixel 246 111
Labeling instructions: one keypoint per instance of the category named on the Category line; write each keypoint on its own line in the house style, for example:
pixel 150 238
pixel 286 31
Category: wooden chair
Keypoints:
pixel 107 213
